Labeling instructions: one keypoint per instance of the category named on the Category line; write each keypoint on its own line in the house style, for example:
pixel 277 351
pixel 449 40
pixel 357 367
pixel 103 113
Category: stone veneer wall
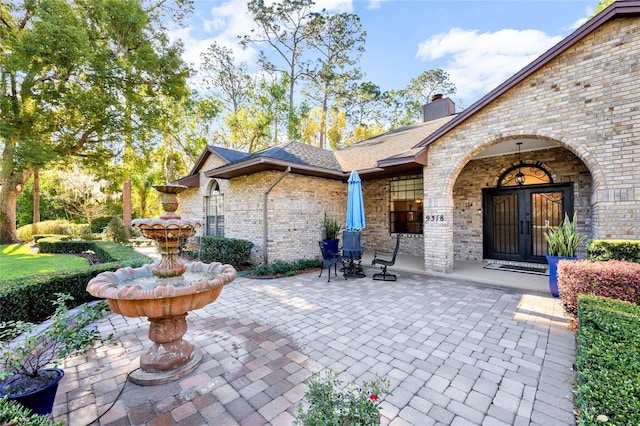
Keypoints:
pixel 586 100
pixel 482 173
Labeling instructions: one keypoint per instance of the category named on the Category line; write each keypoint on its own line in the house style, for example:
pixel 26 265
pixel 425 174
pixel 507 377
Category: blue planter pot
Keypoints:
pixel 331 246
pixel 553 273
pixel 39 401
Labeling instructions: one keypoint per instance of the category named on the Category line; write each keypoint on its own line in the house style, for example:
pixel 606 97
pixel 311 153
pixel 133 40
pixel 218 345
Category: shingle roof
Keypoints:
pixel 299 153
pixel 366 154
pixel 230 155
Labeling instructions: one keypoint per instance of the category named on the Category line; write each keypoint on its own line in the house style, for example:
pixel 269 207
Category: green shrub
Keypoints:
pixel 53 237
pixel 12 413
pixel 280 268
pixel 56 227
pixel 99 223
pixel 116 231
pixel 608 362
pixel 617 279
pixel 31 298
pixel 230 251
pixel 613 250
pixel 303 264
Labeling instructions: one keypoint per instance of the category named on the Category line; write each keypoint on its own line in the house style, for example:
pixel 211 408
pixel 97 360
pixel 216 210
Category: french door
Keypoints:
pixel 515 219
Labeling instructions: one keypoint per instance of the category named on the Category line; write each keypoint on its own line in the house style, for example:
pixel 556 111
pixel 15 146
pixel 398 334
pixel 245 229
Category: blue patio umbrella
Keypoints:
pixel 355 206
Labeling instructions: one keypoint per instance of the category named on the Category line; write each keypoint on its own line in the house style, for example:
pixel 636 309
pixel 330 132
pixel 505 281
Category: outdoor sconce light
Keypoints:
pixel 519 175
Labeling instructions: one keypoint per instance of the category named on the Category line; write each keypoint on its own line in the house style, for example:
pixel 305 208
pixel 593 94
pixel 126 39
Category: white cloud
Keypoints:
pixel 478 62
pixel 223 24
pixel 335 6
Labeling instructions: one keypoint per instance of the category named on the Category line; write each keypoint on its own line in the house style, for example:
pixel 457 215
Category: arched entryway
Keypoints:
pixel 503 200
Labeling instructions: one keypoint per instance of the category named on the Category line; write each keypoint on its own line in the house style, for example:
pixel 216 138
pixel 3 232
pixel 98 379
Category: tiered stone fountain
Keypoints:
pixel 164 292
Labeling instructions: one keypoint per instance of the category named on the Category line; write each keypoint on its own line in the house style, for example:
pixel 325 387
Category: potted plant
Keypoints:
pixel 332 228
pixel 562 244
pixel 330 402
pixel 27 349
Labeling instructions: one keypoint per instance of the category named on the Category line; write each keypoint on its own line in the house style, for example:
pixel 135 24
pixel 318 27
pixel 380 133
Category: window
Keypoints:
pixel 407 197
pixel 532 174
pixel 215 211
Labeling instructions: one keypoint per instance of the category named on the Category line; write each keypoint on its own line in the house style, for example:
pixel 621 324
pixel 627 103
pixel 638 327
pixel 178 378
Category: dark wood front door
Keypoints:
pixel 516 218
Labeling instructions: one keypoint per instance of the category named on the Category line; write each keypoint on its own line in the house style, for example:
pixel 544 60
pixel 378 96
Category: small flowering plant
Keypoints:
pixel 332 402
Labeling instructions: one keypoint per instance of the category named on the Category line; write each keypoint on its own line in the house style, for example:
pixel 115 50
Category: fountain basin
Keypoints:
pixel 135 292
pixel 138 292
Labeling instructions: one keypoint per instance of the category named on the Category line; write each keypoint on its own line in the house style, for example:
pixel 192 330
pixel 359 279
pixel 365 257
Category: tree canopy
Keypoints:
pixel 66 68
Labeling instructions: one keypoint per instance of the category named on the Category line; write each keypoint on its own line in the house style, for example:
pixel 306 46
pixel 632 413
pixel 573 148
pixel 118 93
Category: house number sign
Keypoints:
pixel 434 218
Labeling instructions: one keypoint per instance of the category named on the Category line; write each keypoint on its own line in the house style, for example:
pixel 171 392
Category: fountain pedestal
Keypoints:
pixel 164 292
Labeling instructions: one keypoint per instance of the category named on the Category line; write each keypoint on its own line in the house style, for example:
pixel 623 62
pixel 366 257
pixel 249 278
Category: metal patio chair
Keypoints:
pixel 385 262
pixel 330 259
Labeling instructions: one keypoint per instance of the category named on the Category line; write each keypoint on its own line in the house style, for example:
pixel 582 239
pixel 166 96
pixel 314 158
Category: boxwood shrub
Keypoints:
pixel 31 298
pixel 232 251
pixel 608 362
pixel 617 279
pixel 613 250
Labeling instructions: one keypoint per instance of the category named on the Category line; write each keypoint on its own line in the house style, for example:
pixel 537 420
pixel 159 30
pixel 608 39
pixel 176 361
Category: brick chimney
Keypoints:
pixel 438 107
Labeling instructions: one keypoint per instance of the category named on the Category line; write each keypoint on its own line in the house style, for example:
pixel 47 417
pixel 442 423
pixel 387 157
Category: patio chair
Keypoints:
pixel 385 262
pixel 329 259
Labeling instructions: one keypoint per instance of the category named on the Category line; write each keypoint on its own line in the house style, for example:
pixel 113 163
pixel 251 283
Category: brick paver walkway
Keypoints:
pixel 456 354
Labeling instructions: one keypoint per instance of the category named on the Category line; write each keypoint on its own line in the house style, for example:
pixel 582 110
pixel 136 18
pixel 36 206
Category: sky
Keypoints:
pixel 479 43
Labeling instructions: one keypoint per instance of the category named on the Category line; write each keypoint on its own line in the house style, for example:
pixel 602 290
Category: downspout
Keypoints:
pixel 265 219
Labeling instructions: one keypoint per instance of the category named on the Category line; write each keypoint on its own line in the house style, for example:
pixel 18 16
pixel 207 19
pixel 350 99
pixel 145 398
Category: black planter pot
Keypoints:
pixel 40 401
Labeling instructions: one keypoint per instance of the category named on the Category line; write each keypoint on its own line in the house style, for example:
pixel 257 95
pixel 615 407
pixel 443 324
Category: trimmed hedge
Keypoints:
pixel 613 250
pixel 56 227
pixel 617 279
pixel 232 251
pixel 608 362
pixel 31 298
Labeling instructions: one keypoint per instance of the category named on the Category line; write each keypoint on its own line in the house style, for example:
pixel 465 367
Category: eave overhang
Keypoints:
pixel 261 164
pixel 192 181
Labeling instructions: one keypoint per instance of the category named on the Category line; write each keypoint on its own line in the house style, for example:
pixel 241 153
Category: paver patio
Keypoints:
pixel 456 353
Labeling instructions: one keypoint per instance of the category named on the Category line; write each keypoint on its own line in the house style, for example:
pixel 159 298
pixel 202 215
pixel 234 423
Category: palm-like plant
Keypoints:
pixel 564 240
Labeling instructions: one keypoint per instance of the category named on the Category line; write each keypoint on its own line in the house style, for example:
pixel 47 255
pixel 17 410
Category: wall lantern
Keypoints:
pixel 519 175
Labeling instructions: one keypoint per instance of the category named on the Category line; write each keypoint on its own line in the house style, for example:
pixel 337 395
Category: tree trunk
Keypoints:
pixel 126 205
pixel 8 201
pixel 36 196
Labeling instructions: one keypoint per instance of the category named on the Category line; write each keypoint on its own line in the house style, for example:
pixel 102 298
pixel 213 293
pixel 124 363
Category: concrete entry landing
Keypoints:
pixel 472 271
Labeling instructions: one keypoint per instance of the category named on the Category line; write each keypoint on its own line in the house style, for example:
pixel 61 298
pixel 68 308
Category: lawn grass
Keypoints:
pixel 16 261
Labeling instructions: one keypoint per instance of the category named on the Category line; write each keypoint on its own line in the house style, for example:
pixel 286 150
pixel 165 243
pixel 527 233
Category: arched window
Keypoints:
pixel 215 211
pixel 525 174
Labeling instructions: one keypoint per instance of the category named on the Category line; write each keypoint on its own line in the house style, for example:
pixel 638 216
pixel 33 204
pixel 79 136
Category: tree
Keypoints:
pixel 82 194
pixel 74 78
pixel 339 42
pixel 405 105
pixel 281 26
pixel 223 75
pixel 365 110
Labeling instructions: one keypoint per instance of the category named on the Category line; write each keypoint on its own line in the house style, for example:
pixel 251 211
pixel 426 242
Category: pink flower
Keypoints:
pixel 373 397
